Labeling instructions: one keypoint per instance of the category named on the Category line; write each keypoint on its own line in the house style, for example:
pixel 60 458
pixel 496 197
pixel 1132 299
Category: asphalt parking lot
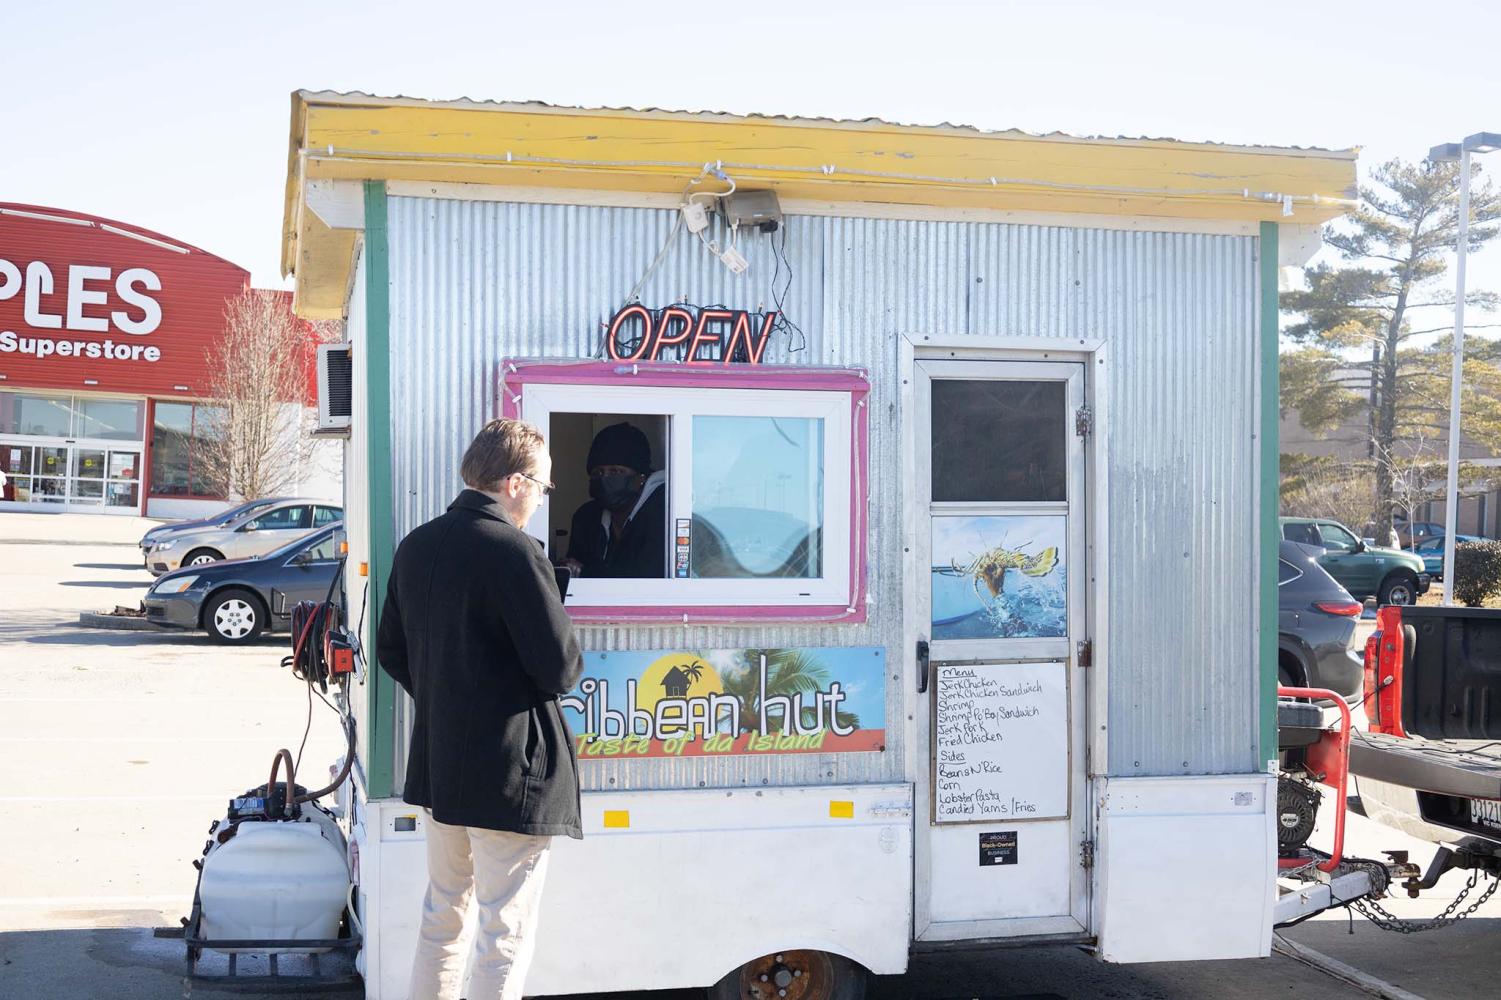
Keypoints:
pixel 120 748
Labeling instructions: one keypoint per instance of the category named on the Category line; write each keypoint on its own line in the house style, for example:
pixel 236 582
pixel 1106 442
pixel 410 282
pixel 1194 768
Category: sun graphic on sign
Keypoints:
pixel 676 675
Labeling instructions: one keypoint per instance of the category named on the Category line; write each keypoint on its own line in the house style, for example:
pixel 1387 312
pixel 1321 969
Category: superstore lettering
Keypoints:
pixel 88 287
pixel 107 350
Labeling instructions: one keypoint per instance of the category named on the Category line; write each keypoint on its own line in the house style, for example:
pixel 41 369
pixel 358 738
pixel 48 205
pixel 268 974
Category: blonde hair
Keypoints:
pixel 501 448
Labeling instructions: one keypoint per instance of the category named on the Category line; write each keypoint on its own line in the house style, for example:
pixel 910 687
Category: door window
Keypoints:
pixel 90 464
pixel 325 551
pixel 281 519
pixel 16 459
pixel 1304 534
pixel 1287 572
pixel 999 440
pixel 1335 538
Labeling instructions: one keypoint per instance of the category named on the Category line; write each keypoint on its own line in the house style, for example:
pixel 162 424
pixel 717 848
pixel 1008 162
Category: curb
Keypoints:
pixel 117 623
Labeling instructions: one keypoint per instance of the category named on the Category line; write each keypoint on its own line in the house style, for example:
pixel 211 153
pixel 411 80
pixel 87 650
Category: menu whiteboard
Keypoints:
pixel 1000 742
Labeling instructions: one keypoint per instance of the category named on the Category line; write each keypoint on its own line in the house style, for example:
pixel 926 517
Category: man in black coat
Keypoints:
pixel 473 628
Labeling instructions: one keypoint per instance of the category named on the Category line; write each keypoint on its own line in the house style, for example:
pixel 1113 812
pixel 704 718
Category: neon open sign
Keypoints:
pixel 709 336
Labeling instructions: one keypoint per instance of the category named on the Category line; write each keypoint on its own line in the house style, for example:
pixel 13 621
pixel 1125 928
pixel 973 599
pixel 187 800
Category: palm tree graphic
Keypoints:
pixel 788 672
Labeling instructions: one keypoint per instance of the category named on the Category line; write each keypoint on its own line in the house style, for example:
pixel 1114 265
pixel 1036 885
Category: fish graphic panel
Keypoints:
pixel 999 577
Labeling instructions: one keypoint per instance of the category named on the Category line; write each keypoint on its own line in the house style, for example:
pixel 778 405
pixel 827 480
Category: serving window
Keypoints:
pixel 686 494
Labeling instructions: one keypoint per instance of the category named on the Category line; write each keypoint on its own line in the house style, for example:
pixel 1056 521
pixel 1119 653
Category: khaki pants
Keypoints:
pixel 504 873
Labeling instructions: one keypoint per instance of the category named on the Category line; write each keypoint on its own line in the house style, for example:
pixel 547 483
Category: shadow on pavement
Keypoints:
pixel 1461 960
pixel 130 566
pixel 117 584
pixel 129 963
pixel 60 636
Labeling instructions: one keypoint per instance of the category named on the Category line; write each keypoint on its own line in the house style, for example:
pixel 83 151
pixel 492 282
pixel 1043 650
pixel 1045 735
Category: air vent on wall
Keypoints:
pixel 335 389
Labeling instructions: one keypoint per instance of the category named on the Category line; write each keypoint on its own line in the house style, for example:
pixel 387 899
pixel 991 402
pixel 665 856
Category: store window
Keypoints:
pixel 71 416
pixel 109 419
pixel 736 496
pixel 179 434
pixel 39 416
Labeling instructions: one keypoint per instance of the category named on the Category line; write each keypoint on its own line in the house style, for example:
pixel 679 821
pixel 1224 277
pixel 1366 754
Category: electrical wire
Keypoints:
pixel 783 321
pixel 295 661
pixel 677 226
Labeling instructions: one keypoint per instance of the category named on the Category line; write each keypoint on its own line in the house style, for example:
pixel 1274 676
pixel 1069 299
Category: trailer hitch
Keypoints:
pixel 1445 860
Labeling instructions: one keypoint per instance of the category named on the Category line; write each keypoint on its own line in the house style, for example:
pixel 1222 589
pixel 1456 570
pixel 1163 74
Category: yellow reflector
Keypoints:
pixel 364 569
pixel 841 810
pixel 617 819
pixel 343 548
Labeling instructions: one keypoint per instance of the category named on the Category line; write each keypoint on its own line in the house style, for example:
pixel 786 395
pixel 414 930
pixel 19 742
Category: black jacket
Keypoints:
pixel 639 553
pixel 474 630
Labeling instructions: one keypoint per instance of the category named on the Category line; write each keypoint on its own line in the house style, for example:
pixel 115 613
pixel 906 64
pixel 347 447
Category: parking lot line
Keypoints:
pixel 1336 969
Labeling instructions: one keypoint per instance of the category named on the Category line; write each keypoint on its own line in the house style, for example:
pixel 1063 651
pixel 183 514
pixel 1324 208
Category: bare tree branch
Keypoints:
pixel 258 438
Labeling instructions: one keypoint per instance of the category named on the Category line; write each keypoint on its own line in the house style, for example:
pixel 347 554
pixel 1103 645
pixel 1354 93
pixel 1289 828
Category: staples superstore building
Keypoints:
pixel 105 332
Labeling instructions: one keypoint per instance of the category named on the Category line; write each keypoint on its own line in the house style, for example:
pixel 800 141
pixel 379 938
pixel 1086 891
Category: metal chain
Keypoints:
pixel 1388 921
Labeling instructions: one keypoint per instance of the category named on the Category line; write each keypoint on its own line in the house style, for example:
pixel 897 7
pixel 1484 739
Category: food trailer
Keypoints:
pixel 967 446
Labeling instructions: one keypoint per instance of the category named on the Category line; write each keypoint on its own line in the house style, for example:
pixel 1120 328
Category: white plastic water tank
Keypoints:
pixel 276 880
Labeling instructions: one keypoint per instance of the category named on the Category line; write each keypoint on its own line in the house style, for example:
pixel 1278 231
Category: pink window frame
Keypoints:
pixel 514 375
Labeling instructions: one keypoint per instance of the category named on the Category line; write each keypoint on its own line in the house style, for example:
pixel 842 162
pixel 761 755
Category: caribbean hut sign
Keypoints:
pixel 729 702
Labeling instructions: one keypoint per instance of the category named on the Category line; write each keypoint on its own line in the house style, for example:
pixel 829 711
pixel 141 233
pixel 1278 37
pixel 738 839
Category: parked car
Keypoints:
pixel 1392 576
pixel 250 535
pixel 1315 623
pixel 164 531
pixel 1431 551
pixel 1417 531
pixel 236 600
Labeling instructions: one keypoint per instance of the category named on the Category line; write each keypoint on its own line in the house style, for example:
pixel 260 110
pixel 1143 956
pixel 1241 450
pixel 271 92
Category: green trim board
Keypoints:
pixel 380 762
pixel 1270 495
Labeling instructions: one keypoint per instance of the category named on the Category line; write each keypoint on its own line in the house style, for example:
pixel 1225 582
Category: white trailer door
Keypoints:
pixel 1000 573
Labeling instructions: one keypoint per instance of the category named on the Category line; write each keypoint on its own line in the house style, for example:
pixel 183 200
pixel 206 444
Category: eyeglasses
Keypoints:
pixel 547 487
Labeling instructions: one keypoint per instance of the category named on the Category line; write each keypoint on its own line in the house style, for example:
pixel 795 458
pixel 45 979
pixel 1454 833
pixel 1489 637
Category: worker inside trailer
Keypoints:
pixel 621 530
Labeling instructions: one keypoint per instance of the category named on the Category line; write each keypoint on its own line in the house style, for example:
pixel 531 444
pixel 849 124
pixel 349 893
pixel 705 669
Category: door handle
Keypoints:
pixel 922 666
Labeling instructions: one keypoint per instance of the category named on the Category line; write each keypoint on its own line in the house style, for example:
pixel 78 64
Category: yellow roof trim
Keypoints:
pixel 358 137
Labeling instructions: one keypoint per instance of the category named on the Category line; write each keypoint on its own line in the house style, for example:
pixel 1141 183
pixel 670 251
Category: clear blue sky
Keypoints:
pixel 174 116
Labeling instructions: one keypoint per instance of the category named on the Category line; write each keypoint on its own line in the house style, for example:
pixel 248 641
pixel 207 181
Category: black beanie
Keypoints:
pixel 620 444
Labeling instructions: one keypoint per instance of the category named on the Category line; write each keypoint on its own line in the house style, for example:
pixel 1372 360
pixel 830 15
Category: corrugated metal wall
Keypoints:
pixel 472 282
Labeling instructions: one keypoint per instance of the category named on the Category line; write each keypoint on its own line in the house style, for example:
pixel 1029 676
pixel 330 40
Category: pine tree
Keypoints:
pixel 1371 332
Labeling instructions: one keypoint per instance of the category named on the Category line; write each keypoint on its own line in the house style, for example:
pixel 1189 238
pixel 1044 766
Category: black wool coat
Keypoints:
pixel 473 629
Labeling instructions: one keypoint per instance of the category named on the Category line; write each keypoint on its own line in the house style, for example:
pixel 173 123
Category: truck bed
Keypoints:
pixel 1463 768
pixel 1451 688
pixel 1452 784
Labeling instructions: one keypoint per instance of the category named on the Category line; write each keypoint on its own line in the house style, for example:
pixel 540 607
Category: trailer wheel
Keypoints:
pixel 793 975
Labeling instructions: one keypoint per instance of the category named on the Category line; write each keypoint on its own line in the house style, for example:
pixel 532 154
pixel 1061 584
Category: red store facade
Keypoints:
pixel 105 334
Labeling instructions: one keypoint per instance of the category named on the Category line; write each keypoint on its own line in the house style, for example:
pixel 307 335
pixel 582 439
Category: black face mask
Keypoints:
pixel 613 492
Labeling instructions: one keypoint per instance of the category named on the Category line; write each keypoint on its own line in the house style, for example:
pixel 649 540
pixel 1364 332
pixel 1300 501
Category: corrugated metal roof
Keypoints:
pixel 360 97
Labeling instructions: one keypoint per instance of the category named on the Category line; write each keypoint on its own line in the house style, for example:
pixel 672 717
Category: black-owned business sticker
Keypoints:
pixel 998 848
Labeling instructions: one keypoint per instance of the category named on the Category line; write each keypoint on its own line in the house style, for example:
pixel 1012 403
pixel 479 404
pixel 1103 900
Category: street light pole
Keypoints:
pixel 1456 377
pixel 1480 142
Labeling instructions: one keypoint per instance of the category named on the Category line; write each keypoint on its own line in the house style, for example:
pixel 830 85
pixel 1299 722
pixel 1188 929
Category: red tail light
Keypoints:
pixel 1351 609
pixel 1384 658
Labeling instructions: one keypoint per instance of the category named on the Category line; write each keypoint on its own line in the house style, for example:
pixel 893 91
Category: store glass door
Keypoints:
pixel 87 478
pixel 999 553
